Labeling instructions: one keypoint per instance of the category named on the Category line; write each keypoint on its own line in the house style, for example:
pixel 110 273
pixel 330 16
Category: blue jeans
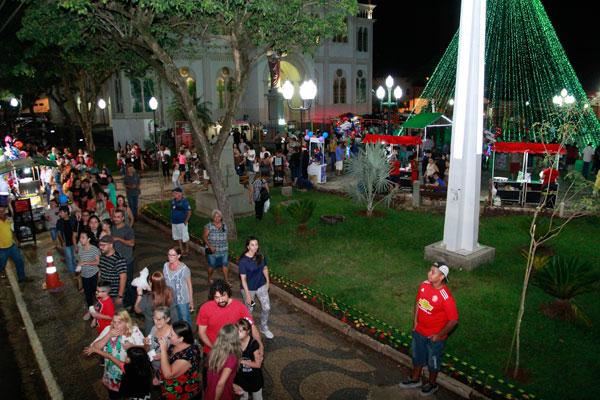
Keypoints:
pixel 14 254
pixel 133 204
pixel 183 312
pixel 427 352
pixel 48 190
pixel 586 169
pixel 53 233
pixel 70 259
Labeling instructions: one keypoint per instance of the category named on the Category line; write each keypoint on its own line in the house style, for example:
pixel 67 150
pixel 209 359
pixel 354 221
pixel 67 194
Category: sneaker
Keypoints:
pixel 25 279
pixel 268 334
pixel 409 383
pixel 428 389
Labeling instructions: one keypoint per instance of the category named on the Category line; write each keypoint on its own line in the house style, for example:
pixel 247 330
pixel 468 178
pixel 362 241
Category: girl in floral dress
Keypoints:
pixel 115 340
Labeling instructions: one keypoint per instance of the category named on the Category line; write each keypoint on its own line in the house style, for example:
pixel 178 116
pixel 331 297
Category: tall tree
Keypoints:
pixel 72 49
pixel 160 31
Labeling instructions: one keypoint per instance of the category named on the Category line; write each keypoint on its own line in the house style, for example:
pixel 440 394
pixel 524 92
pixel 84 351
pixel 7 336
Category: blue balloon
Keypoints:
pixel 325 134
pixel 310 133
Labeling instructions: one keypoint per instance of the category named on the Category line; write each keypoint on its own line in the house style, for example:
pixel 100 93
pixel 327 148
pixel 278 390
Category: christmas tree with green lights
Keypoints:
pixel 525 68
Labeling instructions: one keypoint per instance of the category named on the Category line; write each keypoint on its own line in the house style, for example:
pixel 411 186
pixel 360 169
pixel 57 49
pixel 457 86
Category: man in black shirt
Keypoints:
pixel 66 228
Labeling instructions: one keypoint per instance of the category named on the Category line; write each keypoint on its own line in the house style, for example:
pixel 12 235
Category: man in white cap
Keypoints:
pixel 435 317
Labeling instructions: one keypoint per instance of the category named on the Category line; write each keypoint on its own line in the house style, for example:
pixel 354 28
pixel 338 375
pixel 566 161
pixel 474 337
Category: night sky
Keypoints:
pixel 411 37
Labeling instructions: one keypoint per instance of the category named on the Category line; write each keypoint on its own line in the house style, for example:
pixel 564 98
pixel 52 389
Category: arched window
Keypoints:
pixel 343 91
pixel 142 91
pixel 224 87
pixel 221 92
pixel 361 87
pixel 359 39
pixel 365 39
pixel 339 87
pixel 336 91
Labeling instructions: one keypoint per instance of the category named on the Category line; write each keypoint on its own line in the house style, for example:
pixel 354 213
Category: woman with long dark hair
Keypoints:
pixel 254 277
pixel 159 295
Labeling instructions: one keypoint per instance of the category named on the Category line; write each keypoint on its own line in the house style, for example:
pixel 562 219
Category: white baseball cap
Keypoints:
pixel 442 267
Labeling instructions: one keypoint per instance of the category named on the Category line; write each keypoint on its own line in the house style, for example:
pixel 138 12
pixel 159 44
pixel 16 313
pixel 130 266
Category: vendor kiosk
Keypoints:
pixel 525 189
pixel 405 173
pixel 317 166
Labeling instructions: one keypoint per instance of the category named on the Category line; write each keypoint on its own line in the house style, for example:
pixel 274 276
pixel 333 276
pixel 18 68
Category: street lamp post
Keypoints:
pixel 389 83
pixel 102 106
pixel 308 92
pixel 153 103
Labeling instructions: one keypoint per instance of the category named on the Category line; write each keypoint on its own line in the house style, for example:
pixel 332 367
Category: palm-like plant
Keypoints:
pixel 369 171
pixel 301 211
pixel 565 278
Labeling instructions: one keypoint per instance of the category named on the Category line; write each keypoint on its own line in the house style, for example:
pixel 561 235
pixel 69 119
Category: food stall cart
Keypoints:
pixel 405 173
pixel 317 166
pixel 525 189
pixel 24 174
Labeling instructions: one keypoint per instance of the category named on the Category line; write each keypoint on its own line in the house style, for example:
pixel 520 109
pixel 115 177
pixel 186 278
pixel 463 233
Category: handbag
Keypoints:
pixel 207 250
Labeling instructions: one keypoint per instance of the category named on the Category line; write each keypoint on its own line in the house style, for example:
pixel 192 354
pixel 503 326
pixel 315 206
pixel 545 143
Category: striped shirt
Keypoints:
pixel 218 238
pixel 110 269
pixel 87 271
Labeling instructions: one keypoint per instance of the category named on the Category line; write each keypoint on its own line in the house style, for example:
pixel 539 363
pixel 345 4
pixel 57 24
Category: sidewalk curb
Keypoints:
pixel 444 380
pixel 36 346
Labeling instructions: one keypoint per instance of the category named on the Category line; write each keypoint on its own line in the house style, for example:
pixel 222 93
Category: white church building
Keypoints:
pixel 341 68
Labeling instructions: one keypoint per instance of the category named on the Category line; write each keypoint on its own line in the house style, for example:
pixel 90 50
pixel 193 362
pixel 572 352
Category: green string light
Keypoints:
pixel 525 67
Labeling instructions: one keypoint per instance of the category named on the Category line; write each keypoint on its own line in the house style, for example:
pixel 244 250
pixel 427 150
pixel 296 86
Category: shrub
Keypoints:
pixel 369 171
pixel 565 278
pixel 301 211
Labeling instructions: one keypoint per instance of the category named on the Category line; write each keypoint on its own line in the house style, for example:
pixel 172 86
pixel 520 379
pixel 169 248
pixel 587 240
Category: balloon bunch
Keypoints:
pixel 12 149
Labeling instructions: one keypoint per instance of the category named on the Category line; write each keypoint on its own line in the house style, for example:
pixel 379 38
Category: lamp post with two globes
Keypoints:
pixel 389 83
pixel 308 92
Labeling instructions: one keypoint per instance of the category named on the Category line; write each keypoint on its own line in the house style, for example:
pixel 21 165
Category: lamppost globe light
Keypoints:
pixel 14 102
pixel 101 104
pixel 451 102
pixel 397 92
pixel 153 103
pixel 563 93
pixel 287 90
pixel 570 99
pixel 557 100
pixel 308 90
pixel 389 82
pixel 380 93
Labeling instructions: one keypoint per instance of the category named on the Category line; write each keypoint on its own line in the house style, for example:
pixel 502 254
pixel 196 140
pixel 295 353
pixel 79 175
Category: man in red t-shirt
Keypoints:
pixel 549 175
pixel 435 317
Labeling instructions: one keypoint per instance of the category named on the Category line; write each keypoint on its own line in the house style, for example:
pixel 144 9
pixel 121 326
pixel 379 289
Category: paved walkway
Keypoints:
pixel 305 360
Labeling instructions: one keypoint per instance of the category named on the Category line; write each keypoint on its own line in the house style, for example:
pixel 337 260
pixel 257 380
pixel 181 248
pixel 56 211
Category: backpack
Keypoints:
pixel 264 194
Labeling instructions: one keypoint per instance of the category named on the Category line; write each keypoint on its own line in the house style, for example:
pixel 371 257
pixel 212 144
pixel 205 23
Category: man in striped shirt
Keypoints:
pixel 113 269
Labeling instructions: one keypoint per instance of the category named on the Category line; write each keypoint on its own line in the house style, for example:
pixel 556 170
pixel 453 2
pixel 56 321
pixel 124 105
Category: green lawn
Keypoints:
pixel 377 265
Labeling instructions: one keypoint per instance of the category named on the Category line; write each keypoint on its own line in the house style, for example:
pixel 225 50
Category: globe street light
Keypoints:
pixel 308 92
pixel 14 102
pixel 389 83
pixel 564 98
pixel 102 106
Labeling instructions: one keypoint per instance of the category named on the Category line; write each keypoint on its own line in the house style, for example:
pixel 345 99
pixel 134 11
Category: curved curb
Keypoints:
pixel 444 380
pixel 36 346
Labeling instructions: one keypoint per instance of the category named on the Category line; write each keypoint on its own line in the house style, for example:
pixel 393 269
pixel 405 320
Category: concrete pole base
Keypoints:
pixel 460 259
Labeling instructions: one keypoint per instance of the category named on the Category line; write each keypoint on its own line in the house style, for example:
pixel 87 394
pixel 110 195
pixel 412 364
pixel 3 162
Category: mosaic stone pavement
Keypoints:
pixel 305 360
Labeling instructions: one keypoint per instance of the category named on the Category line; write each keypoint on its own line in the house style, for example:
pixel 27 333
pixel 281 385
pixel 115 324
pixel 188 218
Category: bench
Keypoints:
pixel 433 193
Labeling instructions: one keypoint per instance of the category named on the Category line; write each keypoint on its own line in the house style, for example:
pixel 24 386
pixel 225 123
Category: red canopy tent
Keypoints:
pixel 395 140
pixel 531 148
